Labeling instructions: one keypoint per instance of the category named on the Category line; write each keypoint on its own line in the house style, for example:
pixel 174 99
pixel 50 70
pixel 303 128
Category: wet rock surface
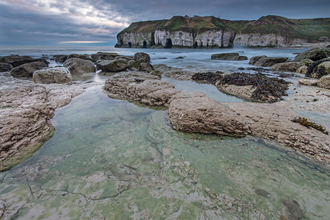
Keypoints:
pixel 4 67
pixel 25 111
pixel 52 75
pixel 195 112
pixel 103 56
pixel 17 60
pixel 116 65
pixel 228 56
pixel 78 66
pixel 27 70
pixel 254 59
pixel 285 67
pixel 313 54
pixel 270 61
pixel 174 72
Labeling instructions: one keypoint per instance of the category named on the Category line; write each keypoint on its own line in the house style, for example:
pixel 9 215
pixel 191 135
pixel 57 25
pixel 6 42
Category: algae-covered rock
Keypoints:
pixel 324 82
pixel 228 56
pixel 112 65
pixel 270 61
pixel 195 112
pixel 80 56
pixel 254 59
pixel 305 62
pixel 27 70
pixel 313 54
pixel 142 56
pixel 286 67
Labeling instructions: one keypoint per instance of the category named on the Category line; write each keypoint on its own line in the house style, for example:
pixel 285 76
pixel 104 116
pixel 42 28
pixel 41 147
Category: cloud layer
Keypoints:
pixel 50 22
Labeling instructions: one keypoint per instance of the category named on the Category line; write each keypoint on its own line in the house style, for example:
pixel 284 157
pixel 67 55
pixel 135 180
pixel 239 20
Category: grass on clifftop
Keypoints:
pixel 310 29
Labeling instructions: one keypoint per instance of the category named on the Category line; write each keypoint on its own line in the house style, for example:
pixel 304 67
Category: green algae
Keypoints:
pixel 86 170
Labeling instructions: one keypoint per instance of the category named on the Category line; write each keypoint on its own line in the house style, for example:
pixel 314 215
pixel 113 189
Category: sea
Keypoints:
pixel 113 159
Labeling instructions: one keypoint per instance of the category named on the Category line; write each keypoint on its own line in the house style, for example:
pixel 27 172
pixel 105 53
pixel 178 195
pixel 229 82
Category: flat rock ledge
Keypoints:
pixel 25 112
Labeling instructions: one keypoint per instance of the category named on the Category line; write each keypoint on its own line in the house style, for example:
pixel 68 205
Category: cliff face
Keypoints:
pixel 192 32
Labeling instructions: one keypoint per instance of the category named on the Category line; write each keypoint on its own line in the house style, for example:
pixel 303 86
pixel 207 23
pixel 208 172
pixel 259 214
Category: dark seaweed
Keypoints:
pixel 306 123
pixel 264 86
pixel 311 68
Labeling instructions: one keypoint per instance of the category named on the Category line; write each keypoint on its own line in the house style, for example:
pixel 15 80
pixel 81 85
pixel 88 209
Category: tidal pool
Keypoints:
pixel 112 159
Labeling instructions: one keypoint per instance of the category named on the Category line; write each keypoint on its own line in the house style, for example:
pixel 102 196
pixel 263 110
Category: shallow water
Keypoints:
pixel 111 159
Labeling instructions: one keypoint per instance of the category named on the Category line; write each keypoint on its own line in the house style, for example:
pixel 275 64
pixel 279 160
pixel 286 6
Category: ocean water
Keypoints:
pixel 112 159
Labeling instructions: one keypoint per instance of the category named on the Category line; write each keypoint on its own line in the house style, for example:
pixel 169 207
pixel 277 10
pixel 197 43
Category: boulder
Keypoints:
pixel 228 56
pixel 195 112
pixel 308 82
pixel 323 68
pixel 324 82
pixel 254 59
pixel 27 70
pixel 302 70
pixel 285 67
pixel 52 75
pixel 146 67
pixel 4 67
pixel 80 56
pixel 140 65
pixel 156 73
pixel 305 62
pixel 112 65
pixel 313 54
pixel 78 66
pixel 270 61
pixel 17 60
pixel 139 86
pixel 103 56
pixel 60 58
pixel 142 56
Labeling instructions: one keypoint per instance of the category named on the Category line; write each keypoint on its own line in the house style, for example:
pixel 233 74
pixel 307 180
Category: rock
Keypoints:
pixel 78 66
pixel 261 192
pixel 308 82
pixel 173 72
pixel 178 58
pixel 305 62
pixel 324 82
pixel 323 68
pixel 195 112
pixel 16 60
pixel 228 56
pixel 270 61
pixel 145 67
pixel 27 70
pixel 142 87
pixel 52 75
pixel 254 59
pixel 60 58
pixel 112 65
pixel 156 73
pixel 285 67
pixel 25 112
pixel 103 56
pixel 302 70
pixel 142 56
pixel 4 67
pixel 313 54
pixel 80 56
pixel 293 210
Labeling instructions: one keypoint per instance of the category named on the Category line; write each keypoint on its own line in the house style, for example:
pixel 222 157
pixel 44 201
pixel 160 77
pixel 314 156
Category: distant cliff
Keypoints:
pixel 212 32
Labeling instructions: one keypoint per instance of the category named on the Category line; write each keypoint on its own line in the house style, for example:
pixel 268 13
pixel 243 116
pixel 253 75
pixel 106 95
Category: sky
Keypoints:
pixel 97 22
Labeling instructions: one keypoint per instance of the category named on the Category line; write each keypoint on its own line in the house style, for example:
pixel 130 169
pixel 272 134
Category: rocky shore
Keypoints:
pixel 27 107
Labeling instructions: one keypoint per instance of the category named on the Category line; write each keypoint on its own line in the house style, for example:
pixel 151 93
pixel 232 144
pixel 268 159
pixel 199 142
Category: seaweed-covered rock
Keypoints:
pixel 27 70
pixel 142 56
pixel 313 54
pixel 103 56
pixel 285 67
pixel 79 66
pixel 116 65
pixel 4 67
pixel 228 56
pixel 324 82
pixel 318 68
pixel 195 112
pixel 145 67
pixel 305 62
pixel 254 59
pixel 52 75
pixel 270 61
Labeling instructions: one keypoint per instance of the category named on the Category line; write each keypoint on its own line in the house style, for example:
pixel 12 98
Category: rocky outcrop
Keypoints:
pixel 52 75
pixel 142 56
pixel 27 70
pixel 103 56
pixel 313 54
pixel 228 56
pixel 270 61
pixel 25 112
pixel 17 60
pixel 80 56
pixel 195 112
pixel 116 65
pixel 59 58
pixel 286 67
pixel 78 66
pixel 142 87
pixel 254 59
pixel 4 67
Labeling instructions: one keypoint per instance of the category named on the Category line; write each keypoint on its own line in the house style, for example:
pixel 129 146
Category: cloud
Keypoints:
pixel 54 21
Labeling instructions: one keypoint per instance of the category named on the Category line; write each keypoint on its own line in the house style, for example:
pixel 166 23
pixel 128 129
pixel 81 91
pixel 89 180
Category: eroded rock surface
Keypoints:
pixel 195 112
pixel 52 75
pixel 173 72
pixel 79 66
pixel 25 112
